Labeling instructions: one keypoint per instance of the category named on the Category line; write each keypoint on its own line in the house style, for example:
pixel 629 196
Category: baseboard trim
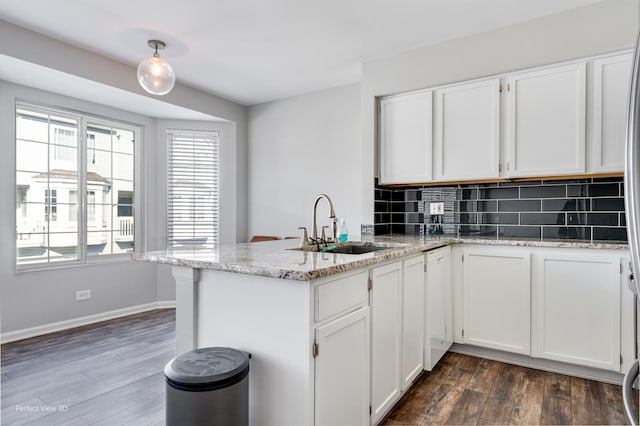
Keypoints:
pixel 39 330
pixel 540 364
pixel 166 304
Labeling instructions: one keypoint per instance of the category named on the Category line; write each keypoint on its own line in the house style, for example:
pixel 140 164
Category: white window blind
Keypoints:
pixel 192 188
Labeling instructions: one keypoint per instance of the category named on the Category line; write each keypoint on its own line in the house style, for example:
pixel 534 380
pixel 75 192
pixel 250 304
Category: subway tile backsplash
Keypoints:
pixel 589 209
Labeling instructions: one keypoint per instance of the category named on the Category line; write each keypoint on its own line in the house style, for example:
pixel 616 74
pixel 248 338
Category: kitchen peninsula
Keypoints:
pixel 269 299
pixel 307 319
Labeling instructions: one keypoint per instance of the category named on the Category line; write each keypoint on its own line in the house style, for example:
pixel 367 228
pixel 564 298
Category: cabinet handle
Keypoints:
pixel 627 392
pixel 440 259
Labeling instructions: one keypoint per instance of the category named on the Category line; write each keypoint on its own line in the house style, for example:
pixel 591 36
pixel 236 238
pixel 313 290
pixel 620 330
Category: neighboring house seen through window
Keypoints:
pixel 65 148
pixel 125 203
pixel 70 170
pixel 50 204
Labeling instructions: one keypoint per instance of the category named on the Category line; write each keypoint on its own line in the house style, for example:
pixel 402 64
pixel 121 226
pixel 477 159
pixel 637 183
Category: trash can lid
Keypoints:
pixel 207 369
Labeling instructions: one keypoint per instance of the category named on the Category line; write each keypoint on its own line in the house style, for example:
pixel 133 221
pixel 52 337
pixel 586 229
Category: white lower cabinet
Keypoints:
pixel 562 304
pixel 342 370
pixel 341 349
pixel 558 304
pixel 576 307
pixel 412 320
pixel 386 338
pixel 438 330
pixel 397 331
pixel 497 298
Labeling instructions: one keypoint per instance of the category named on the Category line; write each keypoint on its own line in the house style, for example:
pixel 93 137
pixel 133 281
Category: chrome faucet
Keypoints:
pixel 332 216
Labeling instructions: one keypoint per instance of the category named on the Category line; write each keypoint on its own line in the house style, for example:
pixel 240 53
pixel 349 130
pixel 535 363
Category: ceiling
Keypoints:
pixel 255 51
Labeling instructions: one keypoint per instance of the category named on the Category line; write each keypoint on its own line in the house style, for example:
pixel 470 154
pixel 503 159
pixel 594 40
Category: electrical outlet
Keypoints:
pixel 436 208
pixel 83 295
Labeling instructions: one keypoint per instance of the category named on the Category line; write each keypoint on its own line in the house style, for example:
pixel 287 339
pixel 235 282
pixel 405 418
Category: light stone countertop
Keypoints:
pixel 276 259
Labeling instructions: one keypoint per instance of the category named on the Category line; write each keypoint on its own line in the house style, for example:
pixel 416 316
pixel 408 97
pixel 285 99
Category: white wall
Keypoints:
pixel 293 143
pixel 43 51
pixel 35 299
pixel 599 28
pixel 301 147
pixel 228 193
pixel 32 299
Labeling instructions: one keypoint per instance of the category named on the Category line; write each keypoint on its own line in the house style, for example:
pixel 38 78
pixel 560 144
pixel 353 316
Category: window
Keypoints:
pixel 125 203
pixel 70 169
pixel 73 206
pixel 192 188
pixel 64 144
pixel 91 207
pixel 50 204
pixel 21 201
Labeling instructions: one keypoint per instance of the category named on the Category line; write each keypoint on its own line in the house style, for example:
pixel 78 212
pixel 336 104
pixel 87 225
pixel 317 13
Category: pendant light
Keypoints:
pixel 155 75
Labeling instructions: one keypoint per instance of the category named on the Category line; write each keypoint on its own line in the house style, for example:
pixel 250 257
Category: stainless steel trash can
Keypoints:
pixel 208 386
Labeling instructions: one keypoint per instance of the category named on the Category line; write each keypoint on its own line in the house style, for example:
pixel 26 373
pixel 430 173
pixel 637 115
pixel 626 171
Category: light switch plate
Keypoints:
pixel 436 208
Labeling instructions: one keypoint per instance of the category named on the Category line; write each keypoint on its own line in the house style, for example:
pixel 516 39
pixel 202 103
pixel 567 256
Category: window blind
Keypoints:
pixel 192 188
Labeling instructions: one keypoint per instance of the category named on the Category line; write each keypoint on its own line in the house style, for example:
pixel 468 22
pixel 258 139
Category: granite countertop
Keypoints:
pixel 276 259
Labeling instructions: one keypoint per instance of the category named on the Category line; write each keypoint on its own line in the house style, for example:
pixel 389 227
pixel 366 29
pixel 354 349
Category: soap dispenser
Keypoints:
pixel 343 234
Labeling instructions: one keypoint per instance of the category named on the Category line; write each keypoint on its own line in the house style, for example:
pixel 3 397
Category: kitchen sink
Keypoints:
pixel 353 249
pixel 346 248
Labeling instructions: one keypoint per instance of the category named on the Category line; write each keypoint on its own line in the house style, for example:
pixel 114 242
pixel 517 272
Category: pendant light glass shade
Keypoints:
pixel 155 75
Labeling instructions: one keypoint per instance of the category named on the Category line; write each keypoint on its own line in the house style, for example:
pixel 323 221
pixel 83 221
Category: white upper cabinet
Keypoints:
pixel 611 77
pixel 546 122
pixel 467 137
pixel 406 136
pixel 542 114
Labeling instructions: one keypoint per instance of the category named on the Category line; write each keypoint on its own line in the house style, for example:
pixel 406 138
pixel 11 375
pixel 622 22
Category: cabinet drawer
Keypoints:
pixel 341 296
pixel 438 255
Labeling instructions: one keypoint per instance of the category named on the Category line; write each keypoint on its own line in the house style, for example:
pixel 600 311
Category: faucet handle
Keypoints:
pixel 305 238
pixel 324 234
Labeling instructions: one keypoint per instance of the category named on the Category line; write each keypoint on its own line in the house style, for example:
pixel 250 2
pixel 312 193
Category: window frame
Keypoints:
pixel 85 121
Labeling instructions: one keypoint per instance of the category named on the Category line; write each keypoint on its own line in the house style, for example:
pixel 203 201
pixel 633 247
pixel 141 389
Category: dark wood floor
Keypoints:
pixel 104 374
pixel 464 390
pixel 111 374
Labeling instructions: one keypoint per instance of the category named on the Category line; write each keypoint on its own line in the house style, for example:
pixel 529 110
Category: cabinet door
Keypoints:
pixel 342 370
pixel 611 77
pixel 577 309
pixel 412 320
pixel 406 138
pixel 386 337
pixel 546 122
pixel 438 307
pixel 468 131
pixel 497 299
pixel 627 317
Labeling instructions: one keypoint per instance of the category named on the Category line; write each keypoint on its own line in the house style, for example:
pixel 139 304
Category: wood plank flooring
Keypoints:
pixel 108 373
pixel 111 374
pixel 464 390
